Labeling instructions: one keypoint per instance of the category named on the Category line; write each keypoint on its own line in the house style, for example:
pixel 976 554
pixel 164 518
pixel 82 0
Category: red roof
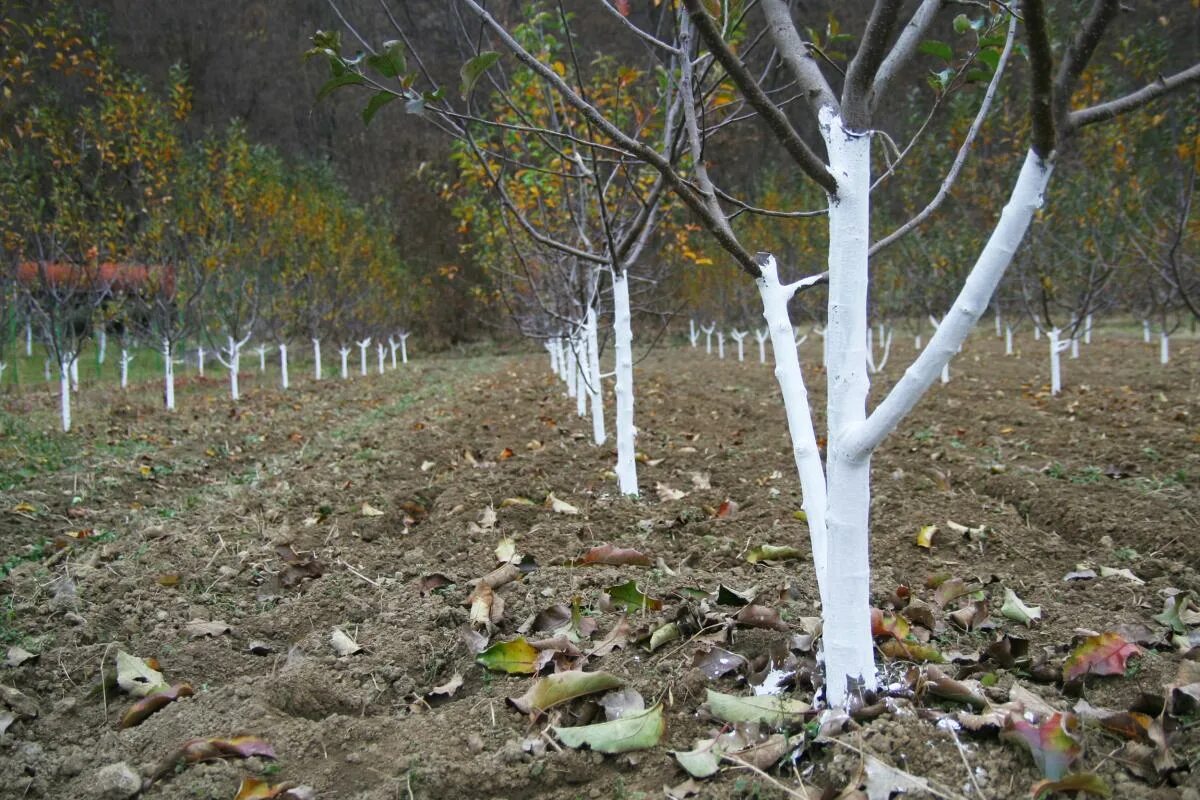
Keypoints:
pixel 106 275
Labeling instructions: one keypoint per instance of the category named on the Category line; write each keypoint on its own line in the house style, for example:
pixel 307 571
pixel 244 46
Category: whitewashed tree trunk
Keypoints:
pixel 572 367
pixel 3 367
pixel 584 392
pixel 1056 347
pixel 28 338
pixel 1087 329
pixel 1146 331
pixel 200 360
pixel 382 359
pixel 1037 333
pixel 345 351
pixel 693 332
pixel 125 359
pixel 64 391
pixel 317 358
pixel 917 342
pixel 404 347
pixel 739 337
pixel 232 361
pixel 721 345
pixel 1164 348
pixel 708 332
pixel 283 366
pixel 886 340
pixel 101 345
pixel 394 346
pixel 262 358
pixel 168 375
pixel 46 369
pixel 761 336
pixel 362 356
pixel 1008 344
pixel 597 390
pixel 623 348
pixel 1074 347
pixel 997 323
pixel 75 372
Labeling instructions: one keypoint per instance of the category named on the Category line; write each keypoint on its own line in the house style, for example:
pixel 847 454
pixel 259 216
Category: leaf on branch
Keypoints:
pixel 389 61
pixel 932 47
pixel 337 82
pixel 473 70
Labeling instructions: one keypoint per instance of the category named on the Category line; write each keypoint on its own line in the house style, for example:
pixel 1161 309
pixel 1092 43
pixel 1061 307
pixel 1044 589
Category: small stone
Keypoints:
pixel 353 758
pixel 474 743
pixel 116 782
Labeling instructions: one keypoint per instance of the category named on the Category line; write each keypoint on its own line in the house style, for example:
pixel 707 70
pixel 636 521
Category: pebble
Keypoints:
pixel 116 782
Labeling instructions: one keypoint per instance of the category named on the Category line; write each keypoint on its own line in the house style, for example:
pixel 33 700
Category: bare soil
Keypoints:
pixel 186 518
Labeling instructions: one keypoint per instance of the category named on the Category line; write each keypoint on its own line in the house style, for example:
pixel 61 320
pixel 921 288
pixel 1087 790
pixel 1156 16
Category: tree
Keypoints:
pixel 844 110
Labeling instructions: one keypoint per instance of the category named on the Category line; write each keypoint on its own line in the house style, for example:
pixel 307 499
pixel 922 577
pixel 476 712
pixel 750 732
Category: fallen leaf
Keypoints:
pixel 506 551
pixel 1088 782
pixel 1052 743
pixel 1105 654
pixel 664 634
pixel 1112 572
pixel 726 510
pixel 885 624
pixel 1080 575
pixel 925 536
pixel 369 510
pixel 343 645
pixel 143 708
pixel 716 662
pixel 487 607
pixel 732 597
pixel 633 732
pixel 631 597
pixel 432 582
pixel 24 508
pixel 766 709
pixel 17 656
pixel 753 616
pixel 199 628
pixel 487 522
pixel 1173 610
pixel 19 703
pixel 883 780
pixel 700 481
pixel 509 502
pixel 136 677
pixel 667 494
pixel 195 751
pixel 559 506
pixel 560 687
pixel 506 454
pixel 446 690
pixel 613 556
pixel 770 552
pixel 516 657
pixel 911 651
pixel 622 703
pixel 617 638
pixel 688 788
pixel 1015 609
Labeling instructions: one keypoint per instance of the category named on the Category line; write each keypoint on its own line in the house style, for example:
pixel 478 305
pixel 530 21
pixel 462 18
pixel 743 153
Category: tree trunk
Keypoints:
pixel 1164 348
pixel 345 363
pixel 593 345
pixel 1055 362
pixel 1008 349
pixel 283 366
pixel 623 347
pixel 168 375
pixel 124 368
pixel 64 391
pixel 317 358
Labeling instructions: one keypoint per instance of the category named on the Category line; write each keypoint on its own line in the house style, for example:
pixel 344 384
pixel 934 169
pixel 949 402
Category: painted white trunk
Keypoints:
pixel 283 366
pixel 1146 331
pixel 1037 333
pixel 848 646
pixel 394 345
pixel 125 359
pixel 740 337
pixel 1074 347
pixel 572 367
pixel 917 342
pixel 235 360
pixel 597 394
pixel 75 372
pixel 345 351
pixel 64 392
pixel 623 348
pixel 101 345
pixel 796 406
pixel 262 358
pixel 708 332
pixel 1008 347
pixel 317 358
pixel 28 338
pixel 404 348
pixel 583 391
pixel 200 360
pixel 944 376
pixel 1087 329
pixel 168 375
pixel 561 355
pixel 997 323
pixel 1055 362
pixel 46 369
pixel 761 336
pixel 382 360
pixel 721 345
pixel 1164 348
pixel 693 334
pixel 362 356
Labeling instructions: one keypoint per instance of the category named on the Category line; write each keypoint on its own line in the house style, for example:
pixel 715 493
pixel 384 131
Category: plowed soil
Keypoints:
pixel 120 535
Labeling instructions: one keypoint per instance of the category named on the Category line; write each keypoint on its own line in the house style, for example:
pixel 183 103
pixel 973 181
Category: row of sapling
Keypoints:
pixel 693 48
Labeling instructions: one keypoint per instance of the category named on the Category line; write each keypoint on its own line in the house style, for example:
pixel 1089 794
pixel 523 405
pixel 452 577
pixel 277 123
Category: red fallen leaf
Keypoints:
pixel 726 509
pixel 1088 782
pixel 889 625
pixel 506 454
pixel 142 709
pixel 1105 654
pixel 753 616
pixel 193 751
pixel 613 556
pixel 1052 743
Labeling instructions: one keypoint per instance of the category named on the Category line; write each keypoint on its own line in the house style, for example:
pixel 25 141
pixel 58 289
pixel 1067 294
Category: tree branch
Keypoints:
pixel 1080 52
pixel 860 75
pixel 1102 112
pixel 1041 64
pixel 795 54
pixel 902 52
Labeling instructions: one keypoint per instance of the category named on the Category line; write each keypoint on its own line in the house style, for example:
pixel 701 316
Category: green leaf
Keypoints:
pixel 345 79
pixel 516 657
pixel 991 58
pixel 631 596
pixel 962 24
pixel 1170 616
pixel 378 101
pixel 770 552
pixel 1087 782
pixel 473 69
pixel 666 633
pixel 563 686
pixel 137 677
pixel 977 76
pixel 1015 609
pixel 765 709
pixel 389 62
pixel 633 732
pixel 701 762
pixel 931 47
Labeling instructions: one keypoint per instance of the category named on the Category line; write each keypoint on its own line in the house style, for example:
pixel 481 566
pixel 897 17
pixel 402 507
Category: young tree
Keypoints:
pixel 844 110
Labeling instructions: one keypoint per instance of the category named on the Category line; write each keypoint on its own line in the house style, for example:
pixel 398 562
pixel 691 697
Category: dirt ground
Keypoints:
pixel 264 518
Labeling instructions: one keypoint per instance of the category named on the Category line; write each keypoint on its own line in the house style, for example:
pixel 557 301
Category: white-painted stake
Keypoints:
pixel 200 360
pixel 693 332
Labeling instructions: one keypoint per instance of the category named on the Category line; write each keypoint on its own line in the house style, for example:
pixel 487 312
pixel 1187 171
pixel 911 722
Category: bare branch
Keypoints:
pixel 1041 65
pixel 860 75
pixel 795 54
pixel 1076 59
pixel 1102 112
pixel 905 48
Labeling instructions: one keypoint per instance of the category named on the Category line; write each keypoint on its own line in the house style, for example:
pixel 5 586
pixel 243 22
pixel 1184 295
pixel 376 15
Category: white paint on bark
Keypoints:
pixel 345 351
pixel 168 375
pixel 317 358
pixel 64 391
pixel 283 366
pixel 623 348
pixel 1164 348
pixel 362 355
pixel 761 335
pixel 721 345
pixel 739 337
pixel 597 390
pixel 1008 344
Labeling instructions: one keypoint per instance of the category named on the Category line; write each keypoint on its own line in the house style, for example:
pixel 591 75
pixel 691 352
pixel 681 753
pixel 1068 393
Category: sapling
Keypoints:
pixel 1087 329
pixel 28 337
pixel 721 345
pixel 761 335
pixel 595 387
pixel 917 342
pixel 283 366
pixel 126 357
pixel 393 345
pixel 549 345
pixel 572 366
pixel 693 333
pixel 1146 331
pixel 1074 345
pixel 739 337
pixel 317 358
pixel 232 361
pixel 46 370
pixel 345 351
pixel 64 390
pixel 168 358
pixel 583 390
pixel 623 351
pixel 404 346
pixel 708 332
pixel 362 355
pixel 381 350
